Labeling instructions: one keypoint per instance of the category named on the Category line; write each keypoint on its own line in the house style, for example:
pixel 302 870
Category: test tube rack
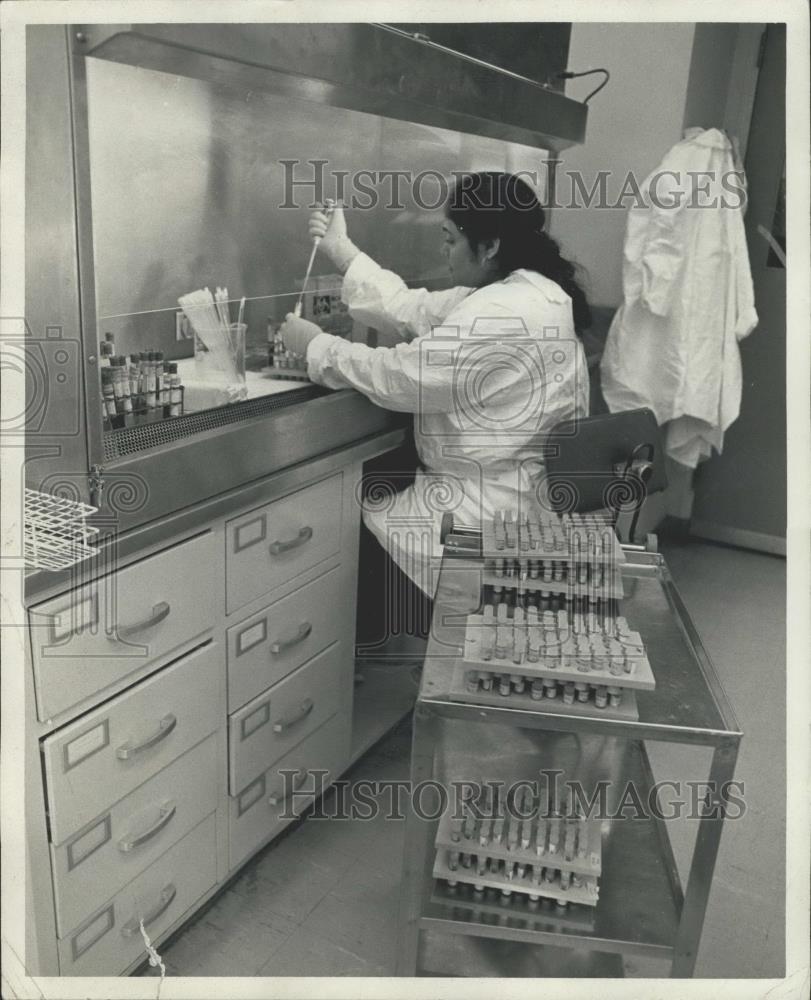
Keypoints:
pixel 574 554
pixel 534 851
pixel 489 906
pixel 549 633
pixel 534 656
pixel 288 374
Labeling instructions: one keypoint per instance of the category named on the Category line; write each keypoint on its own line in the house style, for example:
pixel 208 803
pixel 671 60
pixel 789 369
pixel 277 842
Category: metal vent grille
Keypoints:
pixel 131 440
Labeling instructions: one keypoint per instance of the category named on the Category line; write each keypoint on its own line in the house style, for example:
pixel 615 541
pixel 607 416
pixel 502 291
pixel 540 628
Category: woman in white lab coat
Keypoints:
pixel 487 367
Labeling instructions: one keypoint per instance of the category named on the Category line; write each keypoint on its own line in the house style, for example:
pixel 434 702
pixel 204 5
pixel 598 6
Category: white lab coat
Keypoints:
pixel 486 372
pixel 688 300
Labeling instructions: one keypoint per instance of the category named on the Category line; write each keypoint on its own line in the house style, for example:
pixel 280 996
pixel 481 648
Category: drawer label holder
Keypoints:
pixel 89 841
pixel 252 636
pixel 92 931
pixel 251 795
pixel 85 745
pixel 250 533
pixel 258 718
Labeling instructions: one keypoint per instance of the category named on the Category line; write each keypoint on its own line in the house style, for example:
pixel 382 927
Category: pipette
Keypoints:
pixel 316 241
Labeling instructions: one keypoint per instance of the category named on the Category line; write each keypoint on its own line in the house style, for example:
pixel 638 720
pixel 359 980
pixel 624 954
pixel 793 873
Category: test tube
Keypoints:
pixel 513 832
pixel 469 827
pixel 498 826
pixel 523 533
pixel 456 828
pixel 498 529
pixel 487 818
pixel 582 838
pixel 526 834
pixel 509 530
pixel 554 834
pixel 519 636
pixel 503 633
pixel 540 835
pixel 569 839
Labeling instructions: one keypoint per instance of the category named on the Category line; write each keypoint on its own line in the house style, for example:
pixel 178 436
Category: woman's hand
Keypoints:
pixel 297 333
pixel 328 224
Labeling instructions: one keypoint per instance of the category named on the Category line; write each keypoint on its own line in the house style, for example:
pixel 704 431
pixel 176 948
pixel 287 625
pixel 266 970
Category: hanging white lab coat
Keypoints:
pixel 487 373
pixel 688 299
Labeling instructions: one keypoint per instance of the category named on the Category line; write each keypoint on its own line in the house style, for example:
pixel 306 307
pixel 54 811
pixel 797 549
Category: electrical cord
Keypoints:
pixel 588 72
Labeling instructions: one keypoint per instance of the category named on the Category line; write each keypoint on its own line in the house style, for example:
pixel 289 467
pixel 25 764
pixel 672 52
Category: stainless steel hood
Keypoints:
pixel 362 67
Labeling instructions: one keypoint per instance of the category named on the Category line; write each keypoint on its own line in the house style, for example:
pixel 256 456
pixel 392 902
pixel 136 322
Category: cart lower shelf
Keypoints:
pixel 639 904
pixel 453 955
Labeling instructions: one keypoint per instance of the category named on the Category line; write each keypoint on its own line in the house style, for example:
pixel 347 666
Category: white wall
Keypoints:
pixel 631 124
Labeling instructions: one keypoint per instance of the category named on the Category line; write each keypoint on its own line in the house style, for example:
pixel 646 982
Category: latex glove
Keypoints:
pixel 329 225
pixel 297 333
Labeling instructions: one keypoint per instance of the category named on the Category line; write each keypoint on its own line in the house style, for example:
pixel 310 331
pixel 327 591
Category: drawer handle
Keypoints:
pixel 132 927
pixel 281 800
pixel 165 726
pixel 282 644
pixel 159 612
pixel 304 535
pixel 167 811
pixel 306 707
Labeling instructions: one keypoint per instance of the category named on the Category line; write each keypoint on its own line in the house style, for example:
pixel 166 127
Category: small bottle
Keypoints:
pixel 105 353
pixel 118 384
pixel 107 394
pixel 177 398
pixel 169 388
pixel 271 342
pixel 125 384
pixel 159 379
pixel 108 338
pixel 132 372
pixel 151 388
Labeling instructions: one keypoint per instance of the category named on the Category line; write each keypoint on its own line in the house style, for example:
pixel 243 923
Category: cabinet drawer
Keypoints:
pixel 267 727
pixel 256 813
pixel 100 758
pixel 277 542
pixel 110 940
pixel 267 646
pixel 96 635
pixel 121 843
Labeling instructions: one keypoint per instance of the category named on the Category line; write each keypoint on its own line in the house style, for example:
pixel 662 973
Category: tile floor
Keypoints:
pixel 322 900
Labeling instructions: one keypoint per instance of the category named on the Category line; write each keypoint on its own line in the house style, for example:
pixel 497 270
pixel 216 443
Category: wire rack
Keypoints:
pixel 57 534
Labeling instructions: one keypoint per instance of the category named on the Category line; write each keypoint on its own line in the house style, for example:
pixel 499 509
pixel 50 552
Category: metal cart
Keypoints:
pixel 642 908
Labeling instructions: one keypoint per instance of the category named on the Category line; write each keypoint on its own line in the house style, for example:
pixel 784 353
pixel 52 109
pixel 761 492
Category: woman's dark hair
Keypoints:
pixel 493 205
